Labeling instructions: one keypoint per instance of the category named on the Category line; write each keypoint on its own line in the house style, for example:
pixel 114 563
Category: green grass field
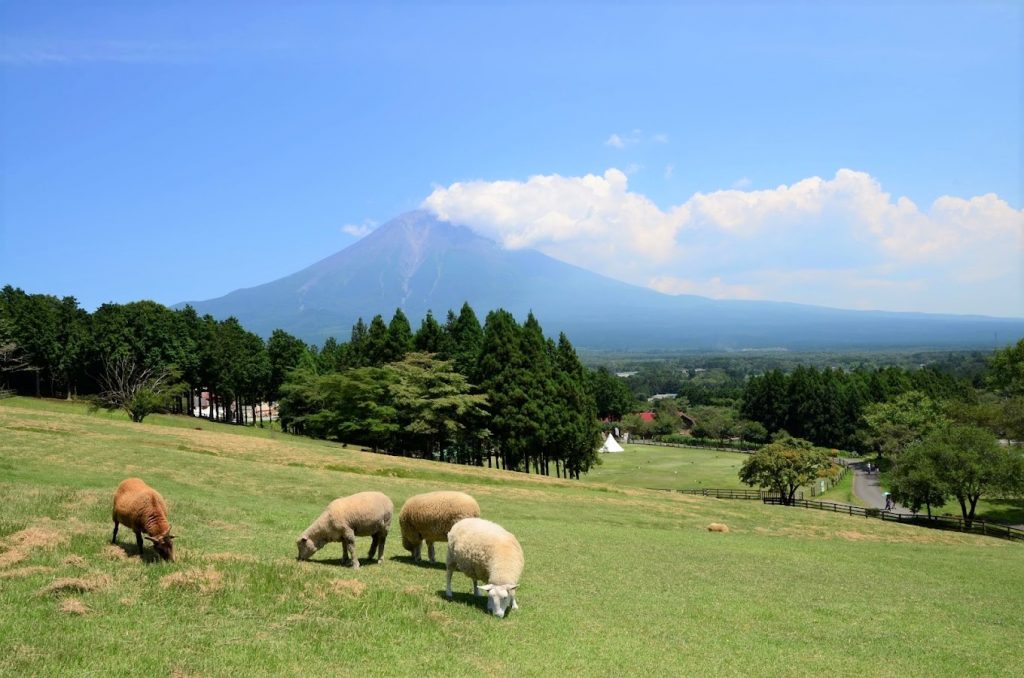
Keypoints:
pixel 618 581
pixel 669 468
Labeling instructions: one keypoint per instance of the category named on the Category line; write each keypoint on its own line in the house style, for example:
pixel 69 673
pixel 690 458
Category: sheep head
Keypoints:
pixel 307 547
pixel 500 598
pixel 163 545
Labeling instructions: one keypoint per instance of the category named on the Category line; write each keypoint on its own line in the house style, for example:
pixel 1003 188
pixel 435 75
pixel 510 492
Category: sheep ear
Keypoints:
pixel 149 538
pixel 513 587
pixel 485 587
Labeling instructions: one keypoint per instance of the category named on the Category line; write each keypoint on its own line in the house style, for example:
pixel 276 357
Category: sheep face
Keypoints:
pixel 307 547
pixel 164 546
pixel 500 598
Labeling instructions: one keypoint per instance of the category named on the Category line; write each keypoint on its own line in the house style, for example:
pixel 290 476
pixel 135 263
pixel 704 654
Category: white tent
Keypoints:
pixel 611 446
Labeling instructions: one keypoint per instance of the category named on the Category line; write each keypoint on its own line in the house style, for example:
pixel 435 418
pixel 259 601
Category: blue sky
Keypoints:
pixel 857 155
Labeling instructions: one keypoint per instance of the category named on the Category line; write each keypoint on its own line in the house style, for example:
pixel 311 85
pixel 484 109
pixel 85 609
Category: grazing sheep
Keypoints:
pixel 485 551
pixel 428 517
pixel 141 508
pixel 344 519
pixel 718 527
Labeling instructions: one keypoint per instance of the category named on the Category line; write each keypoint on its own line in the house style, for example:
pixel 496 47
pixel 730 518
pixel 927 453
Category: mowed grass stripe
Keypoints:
pixel 617 580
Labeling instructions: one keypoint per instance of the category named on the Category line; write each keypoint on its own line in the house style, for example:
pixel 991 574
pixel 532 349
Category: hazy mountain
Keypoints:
pixel 418 263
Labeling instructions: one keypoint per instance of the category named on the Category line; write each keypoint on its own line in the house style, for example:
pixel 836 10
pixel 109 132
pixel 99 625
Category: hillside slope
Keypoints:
pixel 786 592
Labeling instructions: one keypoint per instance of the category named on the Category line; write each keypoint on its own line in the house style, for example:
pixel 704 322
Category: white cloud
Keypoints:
pixel 741 183
pixel 842 241
pixel 359 230
pixel 669 170
pixel 615 141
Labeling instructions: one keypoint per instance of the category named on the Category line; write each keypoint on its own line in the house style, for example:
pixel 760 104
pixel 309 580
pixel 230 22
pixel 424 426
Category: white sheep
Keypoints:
pixel 485 551
pixel 344 519
pixel 141 508
pixel 428 517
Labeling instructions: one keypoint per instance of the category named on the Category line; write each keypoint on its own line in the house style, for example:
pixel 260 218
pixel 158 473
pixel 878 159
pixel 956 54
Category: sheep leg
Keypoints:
pixel 380 545
pixel 373 545
pixel 476 591
pixel 430 550
pixel 138 542
pixel 113 540
pixel 416 552
pixel 349 546
pixel 448 586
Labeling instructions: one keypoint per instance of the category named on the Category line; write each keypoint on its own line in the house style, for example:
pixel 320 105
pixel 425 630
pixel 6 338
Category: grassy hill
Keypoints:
pixel 618 580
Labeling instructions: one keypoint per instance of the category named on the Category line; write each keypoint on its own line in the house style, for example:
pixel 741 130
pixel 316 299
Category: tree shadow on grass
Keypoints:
pixel 1006 511
pixel 425 564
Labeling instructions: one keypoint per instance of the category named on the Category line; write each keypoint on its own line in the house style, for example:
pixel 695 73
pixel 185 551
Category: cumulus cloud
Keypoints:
pixel 841 241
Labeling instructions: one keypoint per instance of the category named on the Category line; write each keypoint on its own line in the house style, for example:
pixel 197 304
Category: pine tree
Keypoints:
pixel 399 340
pixel 375 353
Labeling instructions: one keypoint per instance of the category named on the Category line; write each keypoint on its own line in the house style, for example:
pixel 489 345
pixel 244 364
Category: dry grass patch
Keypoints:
pixel 20 545
pixel 25 571
pixel 350 587
pixel 88 584
pixel 75 561
pixel 718 527
pixel 73 606
pixel 232 557
pixel 205 580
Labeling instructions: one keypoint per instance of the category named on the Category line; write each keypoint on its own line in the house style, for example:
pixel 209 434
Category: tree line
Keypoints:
pixel 828 406
pixel 500 393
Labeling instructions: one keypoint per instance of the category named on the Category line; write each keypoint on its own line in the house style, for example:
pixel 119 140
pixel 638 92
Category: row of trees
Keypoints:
pixel 828 406
pixel 500 393
pixel 141 356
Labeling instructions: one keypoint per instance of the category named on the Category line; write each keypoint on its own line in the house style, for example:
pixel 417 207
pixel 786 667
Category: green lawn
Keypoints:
pixel 618 581
pixel 841 493
pixel 670 468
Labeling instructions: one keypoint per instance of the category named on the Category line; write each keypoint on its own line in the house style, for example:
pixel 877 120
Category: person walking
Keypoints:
pixel 888 502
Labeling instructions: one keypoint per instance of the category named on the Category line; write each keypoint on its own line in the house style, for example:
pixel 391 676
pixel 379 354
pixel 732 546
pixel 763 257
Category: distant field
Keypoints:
pixel 618 581
pixel 670 468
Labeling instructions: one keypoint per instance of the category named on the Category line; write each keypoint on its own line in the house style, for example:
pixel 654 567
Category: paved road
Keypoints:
pixel 865 486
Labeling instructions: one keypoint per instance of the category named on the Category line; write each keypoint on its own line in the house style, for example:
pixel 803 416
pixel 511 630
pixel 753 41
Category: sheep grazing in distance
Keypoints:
pixel 428 517
pixel 485 551
pixel 141 508
pixel 718 527
pixel 359 515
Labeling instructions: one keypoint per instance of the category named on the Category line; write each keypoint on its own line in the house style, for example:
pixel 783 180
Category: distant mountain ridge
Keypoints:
pixel 418 263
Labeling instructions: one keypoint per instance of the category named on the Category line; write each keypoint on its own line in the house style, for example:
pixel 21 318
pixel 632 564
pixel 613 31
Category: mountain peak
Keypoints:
pixel 417 262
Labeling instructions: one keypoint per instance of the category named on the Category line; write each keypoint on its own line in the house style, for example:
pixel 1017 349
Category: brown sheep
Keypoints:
pixel 141 508
pixel 428 517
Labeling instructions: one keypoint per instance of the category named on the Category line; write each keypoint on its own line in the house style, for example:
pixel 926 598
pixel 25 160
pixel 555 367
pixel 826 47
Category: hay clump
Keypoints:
pixel 351 587
pixel 718 527
pixel 21 544
pixel 63 585
pixel 25 571
pixel 205 580
pixel 73 606
pixel 75 561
